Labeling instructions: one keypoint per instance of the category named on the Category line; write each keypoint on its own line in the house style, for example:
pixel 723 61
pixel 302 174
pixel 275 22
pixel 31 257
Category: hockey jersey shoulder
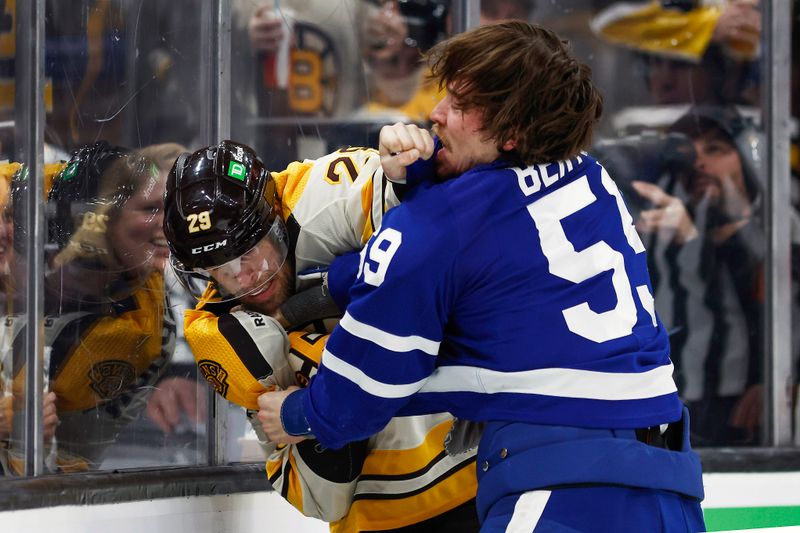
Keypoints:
pixel 333 204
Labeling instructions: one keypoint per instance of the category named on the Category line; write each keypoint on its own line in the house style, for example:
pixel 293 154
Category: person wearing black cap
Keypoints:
pixel 707 250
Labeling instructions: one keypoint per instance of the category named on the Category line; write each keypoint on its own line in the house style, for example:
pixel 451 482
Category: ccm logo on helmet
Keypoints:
pixel 209 247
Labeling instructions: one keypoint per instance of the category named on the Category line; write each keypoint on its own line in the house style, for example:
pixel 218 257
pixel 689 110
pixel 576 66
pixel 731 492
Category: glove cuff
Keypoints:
pixel 293 419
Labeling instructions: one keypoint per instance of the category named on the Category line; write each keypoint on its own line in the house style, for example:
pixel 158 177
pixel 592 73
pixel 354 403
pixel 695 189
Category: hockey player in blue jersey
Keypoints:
pixel 510 288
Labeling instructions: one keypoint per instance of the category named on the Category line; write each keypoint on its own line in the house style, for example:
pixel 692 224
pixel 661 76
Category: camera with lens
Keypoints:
pixel 425 20
pixel 651 156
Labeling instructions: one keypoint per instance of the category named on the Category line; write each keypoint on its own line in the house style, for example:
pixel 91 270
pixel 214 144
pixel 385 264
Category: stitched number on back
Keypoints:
pixel 375 257
pixel 574 266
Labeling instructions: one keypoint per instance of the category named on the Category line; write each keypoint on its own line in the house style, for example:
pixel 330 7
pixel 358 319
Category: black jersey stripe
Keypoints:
pixel 244 346
pixel 287 480
pixel 69 339
pixel 410 475
pixel 400 496
pixel 303 357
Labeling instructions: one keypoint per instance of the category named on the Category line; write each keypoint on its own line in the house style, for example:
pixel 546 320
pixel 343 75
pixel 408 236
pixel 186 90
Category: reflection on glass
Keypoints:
pixel 109 333
pixel 6 286
pixel 689 166
pixel 322 76
pixel 126 72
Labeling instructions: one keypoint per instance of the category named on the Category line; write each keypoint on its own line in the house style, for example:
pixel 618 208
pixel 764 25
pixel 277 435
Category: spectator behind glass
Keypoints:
pixel 692 55
pixel 294 60
pixel 395 34
pixel 11 390
pixel 108 331
pixel 704 234
pixel 177 396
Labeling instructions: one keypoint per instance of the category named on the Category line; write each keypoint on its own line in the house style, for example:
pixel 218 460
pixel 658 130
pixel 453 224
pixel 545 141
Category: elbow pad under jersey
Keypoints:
pixel 241 354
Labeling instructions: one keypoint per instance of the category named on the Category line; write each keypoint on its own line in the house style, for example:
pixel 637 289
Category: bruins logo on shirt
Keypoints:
pixel 111 378
pixel 216 375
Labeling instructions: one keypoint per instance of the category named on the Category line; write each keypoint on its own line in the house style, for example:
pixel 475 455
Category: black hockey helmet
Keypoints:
pixel 220 209
pixel 76 189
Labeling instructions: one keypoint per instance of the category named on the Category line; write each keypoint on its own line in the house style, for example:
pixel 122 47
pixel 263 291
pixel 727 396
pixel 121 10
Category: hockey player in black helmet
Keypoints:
pixel 223 227
pixel 330 206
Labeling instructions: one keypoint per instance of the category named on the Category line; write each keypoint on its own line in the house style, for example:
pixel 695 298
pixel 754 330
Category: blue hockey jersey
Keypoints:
pixel 506 294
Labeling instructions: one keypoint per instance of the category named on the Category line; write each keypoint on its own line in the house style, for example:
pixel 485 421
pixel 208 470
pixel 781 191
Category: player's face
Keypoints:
pixel 269 298
pixel 261 276
pixel 463 143
pixel 718 177
pixel 137 235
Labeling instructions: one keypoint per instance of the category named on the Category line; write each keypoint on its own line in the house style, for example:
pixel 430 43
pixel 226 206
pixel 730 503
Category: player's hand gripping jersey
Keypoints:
pixel 397 477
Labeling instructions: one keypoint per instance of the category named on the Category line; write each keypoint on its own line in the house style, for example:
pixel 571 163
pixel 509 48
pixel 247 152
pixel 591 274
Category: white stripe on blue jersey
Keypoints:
pixel 366 383
pixel 563 382
pixel 396 343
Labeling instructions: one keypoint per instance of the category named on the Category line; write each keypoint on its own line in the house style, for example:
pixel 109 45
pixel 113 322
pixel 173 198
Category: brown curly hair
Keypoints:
pixel 527 84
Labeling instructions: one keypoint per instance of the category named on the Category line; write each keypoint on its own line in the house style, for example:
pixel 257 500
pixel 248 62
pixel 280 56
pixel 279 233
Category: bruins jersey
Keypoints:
pixel 405 476
pixel 101 361
pixel 333 204
pixel 398 477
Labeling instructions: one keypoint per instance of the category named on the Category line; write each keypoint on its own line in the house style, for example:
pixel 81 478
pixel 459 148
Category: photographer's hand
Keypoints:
pixel 668 217
pixel 265 30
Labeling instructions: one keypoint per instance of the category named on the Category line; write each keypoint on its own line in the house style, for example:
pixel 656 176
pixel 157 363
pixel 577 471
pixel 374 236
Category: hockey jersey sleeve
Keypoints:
pixel 333 204
pixel 241 354
pixel 387 343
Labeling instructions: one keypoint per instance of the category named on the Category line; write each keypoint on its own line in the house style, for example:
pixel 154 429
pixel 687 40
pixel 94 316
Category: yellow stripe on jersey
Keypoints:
pixel 273 467
pixel 401 462
pixel 366 206
pixel 294 494
pixel 290 184
pixel 386 514
pixel 308 345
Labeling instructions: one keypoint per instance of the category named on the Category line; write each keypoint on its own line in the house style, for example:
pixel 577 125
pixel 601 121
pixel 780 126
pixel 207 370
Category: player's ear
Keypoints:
pixel 509 145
